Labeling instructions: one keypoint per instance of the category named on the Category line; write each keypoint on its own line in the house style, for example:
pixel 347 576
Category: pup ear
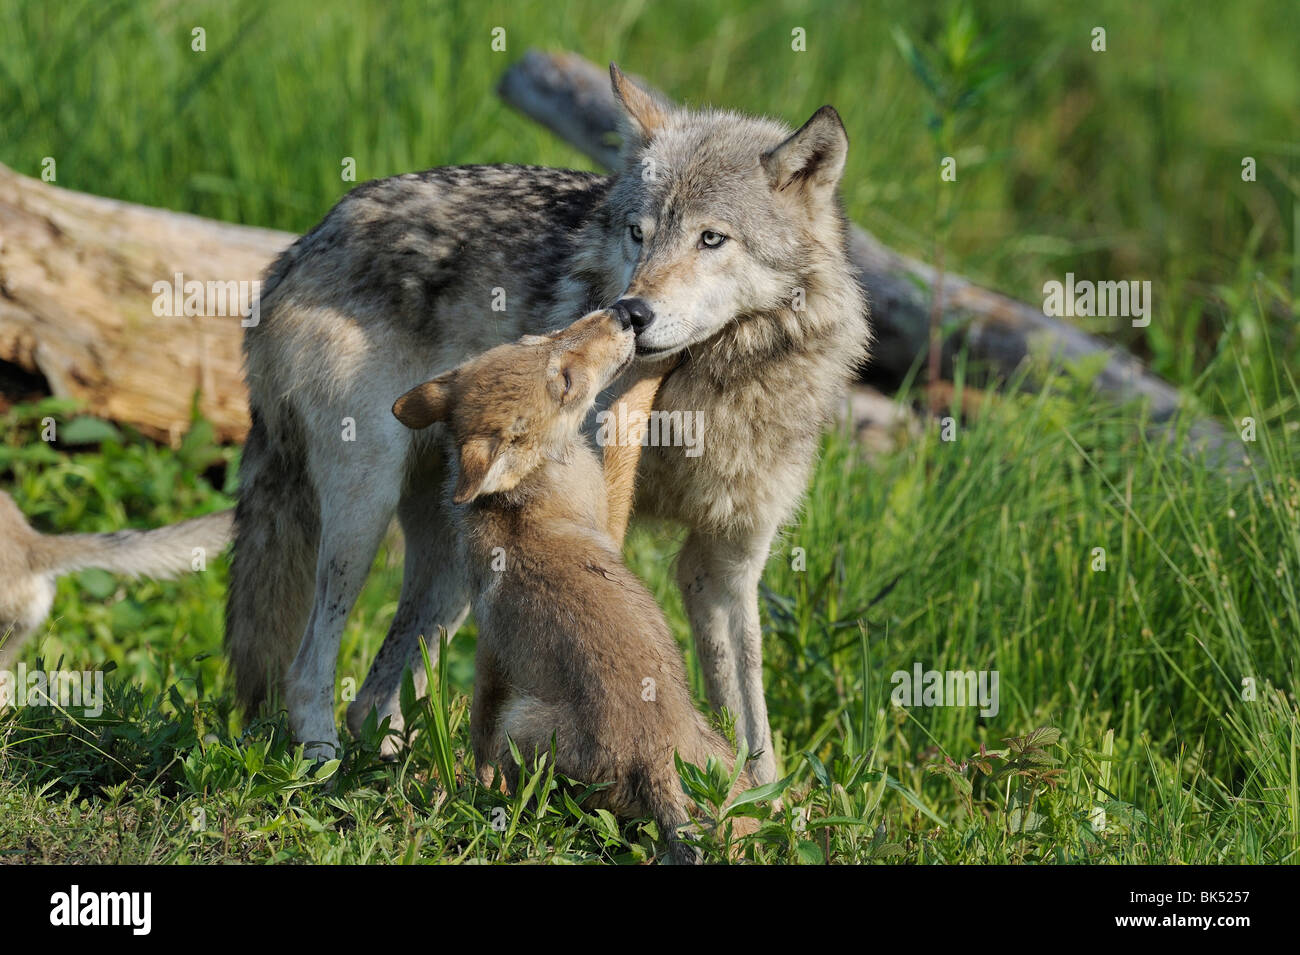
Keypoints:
pixel 645 113
pixel 813 157
pixel 482 470
pixel 424 404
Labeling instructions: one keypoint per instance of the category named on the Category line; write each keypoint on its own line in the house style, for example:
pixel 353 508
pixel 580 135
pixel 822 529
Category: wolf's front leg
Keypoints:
pixel 719 582
pixel 485 733
pixel 435 595
pixel 630 416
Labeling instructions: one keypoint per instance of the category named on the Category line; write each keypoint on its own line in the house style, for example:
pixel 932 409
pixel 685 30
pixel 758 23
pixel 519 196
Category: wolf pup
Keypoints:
pixel 722 236
pixel 31 562
pixel 569 638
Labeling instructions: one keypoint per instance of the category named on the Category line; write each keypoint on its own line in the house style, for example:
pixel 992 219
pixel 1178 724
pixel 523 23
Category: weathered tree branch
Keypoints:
pixel 77 276
pixel 571 96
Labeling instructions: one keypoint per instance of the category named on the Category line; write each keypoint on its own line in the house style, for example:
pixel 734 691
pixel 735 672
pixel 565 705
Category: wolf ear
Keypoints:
pixel 424 404
pixel 645 113
pixel 813 158
pixel 483 470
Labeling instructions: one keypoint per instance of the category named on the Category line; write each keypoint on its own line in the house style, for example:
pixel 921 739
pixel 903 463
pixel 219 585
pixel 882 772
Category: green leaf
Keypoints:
pixel 819 770
pixel 199 450
pixel 100 584
pixel 760 793
pixel 824 821
pixel 608 823
pixel 809 853
pixel 906 793
pixel 88 430
pixel 326 770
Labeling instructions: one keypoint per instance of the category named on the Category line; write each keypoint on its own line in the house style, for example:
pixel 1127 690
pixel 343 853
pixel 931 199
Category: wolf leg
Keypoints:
pixel 434 594
pixel 352 526
pixel 719 583
pixel 485 732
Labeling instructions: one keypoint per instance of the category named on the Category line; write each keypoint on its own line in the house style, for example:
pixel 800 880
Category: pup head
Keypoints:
pixel 512 407
pixel 722 216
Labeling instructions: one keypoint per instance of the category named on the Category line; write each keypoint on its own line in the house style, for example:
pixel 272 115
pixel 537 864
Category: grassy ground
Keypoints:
pixel 1117 165
pixel 990 539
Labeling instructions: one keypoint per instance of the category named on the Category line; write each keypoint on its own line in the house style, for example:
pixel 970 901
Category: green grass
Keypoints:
pixel 971 554
pixel 990 539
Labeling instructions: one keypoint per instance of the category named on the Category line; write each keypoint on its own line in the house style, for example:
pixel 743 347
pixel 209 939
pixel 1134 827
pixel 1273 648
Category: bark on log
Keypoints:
pixel 571 96
pixel 77 276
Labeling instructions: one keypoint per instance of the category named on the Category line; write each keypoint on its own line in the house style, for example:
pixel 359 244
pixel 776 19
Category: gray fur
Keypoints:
pixel 396 285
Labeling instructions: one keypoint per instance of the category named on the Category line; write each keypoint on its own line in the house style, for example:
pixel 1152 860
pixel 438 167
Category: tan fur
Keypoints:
pixel 31 563
pixel 630 413
pixel 645 115
pixel 573 651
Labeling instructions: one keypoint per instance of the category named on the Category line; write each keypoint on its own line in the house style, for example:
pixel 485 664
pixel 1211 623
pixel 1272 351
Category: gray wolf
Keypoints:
pixel 721 235
pixel 572 649
pixel 31 563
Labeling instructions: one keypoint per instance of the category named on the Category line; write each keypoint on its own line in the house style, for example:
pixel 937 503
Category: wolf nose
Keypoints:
pixel 623 316
pixel 638 311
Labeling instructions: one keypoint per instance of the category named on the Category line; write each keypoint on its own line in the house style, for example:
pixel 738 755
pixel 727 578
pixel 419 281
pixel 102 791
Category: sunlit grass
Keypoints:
pixel 1170 674
pixel 1182 648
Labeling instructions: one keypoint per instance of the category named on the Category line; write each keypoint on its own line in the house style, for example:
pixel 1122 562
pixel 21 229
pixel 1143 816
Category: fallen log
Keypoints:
pixel 571 96
pixel 79 282
pixel 80 274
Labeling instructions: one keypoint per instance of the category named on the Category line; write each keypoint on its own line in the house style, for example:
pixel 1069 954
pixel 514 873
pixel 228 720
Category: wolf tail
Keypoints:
pixel 273 564
pixel 161 552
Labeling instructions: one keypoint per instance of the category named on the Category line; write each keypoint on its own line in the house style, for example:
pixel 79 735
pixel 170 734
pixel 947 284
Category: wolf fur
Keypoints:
pixel 408 277
pixel 573 652
pixel 31 563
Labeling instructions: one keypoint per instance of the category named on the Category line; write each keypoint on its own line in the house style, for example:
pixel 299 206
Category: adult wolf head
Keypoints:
pixel 723 217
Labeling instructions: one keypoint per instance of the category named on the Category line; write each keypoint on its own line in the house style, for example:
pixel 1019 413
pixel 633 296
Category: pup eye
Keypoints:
pixel 711 240
pixel 568 381
pixel 635 231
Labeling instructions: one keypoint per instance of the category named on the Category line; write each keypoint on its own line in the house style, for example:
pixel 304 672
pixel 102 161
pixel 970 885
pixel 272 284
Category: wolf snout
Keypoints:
pixel 621 315
pixel 635 312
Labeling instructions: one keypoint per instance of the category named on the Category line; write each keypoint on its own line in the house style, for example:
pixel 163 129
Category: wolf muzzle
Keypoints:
pixel 635 312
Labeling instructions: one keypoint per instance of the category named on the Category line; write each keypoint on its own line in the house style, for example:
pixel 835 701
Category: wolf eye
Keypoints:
pixel 635 231
pixel 711 240
pixel 568 381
